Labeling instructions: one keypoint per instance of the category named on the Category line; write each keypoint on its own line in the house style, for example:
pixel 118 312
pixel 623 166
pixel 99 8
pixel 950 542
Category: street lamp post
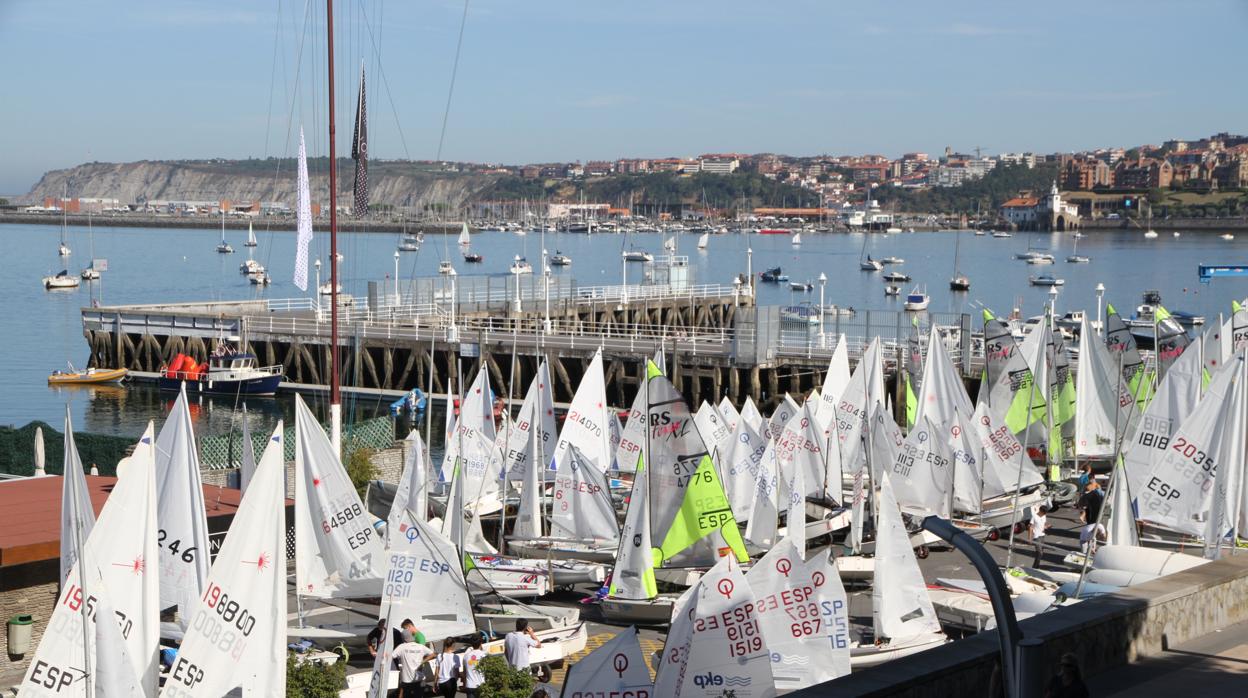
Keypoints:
pixel 1052 305
pixel 823 283
pixel 546 285
pixel 396 277
pixel 749 268
pixel 1100 321
pixel 316 293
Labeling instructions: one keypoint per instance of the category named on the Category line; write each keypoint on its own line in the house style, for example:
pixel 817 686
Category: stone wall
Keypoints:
pixel 1106 633
pixel 18 595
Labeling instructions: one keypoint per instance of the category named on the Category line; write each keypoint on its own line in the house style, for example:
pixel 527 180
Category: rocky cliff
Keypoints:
pixel 404 184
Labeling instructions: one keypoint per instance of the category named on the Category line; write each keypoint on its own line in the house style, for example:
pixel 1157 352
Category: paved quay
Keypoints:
pixel 1213 665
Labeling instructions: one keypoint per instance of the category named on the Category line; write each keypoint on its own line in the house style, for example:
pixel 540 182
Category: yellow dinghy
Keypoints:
pixel 91 376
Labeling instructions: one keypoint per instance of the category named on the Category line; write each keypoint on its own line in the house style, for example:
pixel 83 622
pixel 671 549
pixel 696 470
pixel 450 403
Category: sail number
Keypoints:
pixel 799 606
pixel 175 547
pixel 340 518
pixel 73 600
pixel 739 625
pixel 229 609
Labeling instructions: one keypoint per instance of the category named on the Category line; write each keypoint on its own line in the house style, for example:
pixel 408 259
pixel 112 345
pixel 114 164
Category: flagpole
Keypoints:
pixel 335 396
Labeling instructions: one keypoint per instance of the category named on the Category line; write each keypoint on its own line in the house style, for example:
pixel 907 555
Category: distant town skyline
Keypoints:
pixel 561 81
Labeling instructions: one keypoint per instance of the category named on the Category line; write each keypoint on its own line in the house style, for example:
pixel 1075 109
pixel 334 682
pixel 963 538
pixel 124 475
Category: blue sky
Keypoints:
pixel 546 80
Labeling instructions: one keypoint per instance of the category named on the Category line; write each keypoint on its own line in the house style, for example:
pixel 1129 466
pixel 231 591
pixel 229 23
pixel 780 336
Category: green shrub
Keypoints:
pixel 360 468
pixel 312 679
pixel 501 681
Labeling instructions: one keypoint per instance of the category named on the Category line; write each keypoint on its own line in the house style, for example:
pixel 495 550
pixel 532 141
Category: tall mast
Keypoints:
pixel 335 396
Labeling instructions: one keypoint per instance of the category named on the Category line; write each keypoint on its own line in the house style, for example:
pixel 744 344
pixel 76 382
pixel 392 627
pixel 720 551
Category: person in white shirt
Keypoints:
pixel 411 656
pixel 1036 531
pixel 471 667
pixel 448 670
pixel 517 644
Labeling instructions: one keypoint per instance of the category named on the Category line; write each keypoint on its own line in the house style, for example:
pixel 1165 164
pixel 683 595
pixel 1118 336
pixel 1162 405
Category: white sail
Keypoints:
pixel 833 607
pixel 251 236
pixel 582 508
pixel 729 412
pixel 425 582
pixel 803 444
pixel 476 419
pixel 412 495
pixel 40 458
pixel 247 467
pixel 633 576
pixel 1178 492
pixel 790 617
pixel 77 514
pixel 337 552
pixel 765 498
pixel 942 390
pixel 529 515
pixel 886 441
pixel 795 512
pixel 741 466
pixel 901 608
pixel 1000 468
pixel 1007 385
pixel 633 438
pixel 115 675
pixel 237 638
pixel 834 381
pixel 464 239
pixel 586 423
pixel 1121 529
pixel 116 560
pixel 1102 399
pixel 523 445
pixel 670 674
pixel 781 416
pixel 1175 400
pixel 749 412
pixel 704 240
pixel 181 516
pixel 967 465
pixel 615 433
pixel 617 668
pixel 727 651
pixel 922 473
pixel 858 401
pixel 713 430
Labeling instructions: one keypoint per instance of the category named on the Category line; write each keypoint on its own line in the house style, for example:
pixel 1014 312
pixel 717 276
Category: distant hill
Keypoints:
pixel 411 185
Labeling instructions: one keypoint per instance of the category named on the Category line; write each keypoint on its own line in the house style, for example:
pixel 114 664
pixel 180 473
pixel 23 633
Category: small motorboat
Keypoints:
pixel 409 243
pixel 896 276
pixel 473 258
pixel 1150 234
pixel 1002 234
pixel 803 286
pixel 251 266
pixel 1078 259
pixel 445 268
pixel 558 259
pixel 917 300
pixel 892 260
pixel 1224 236
pixel 980 233
pixel 1040 258
pixel 63 250
pixel 774 231
pixel 91 376
pixel 961 282
pixel 773 276
pixel 224 248
pixel 227 372
pixel 261 279
pixel 892 290
pixel 521 266
pixel 1046 280
pixel 869 264
pixel 90 273
pixel 61 280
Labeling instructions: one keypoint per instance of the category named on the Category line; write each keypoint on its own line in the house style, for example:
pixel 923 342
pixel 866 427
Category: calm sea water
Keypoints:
pixel 42 330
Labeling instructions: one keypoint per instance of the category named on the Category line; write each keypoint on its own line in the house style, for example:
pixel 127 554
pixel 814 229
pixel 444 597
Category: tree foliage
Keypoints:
pixel 314 679
pixel 988 193
pixel 501 681
pixel 360 468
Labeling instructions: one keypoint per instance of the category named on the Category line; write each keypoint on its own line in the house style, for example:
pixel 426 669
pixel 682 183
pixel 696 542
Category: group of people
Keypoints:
pixel 1091 530
pixel 422 672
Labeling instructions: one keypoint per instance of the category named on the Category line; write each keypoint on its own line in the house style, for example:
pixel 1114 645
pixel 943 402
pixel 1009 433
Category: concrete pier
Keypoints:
pixel 432 331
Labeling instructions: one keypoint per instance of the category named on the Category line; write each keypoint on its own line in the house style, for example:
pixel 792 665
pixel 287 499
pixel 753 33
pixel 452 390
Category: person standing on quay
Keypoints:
pixel 448 670
pixel 517 644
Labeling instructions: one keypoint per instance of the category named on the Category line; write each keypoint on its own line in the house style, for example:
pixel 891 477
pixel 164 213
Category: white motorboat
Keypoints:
pixel 917 300
pixel 251 266
pixel 63 250
pixel 1150 234
pixel 62 280
pixel 409 243
pixel 260 279
pixel 870 265
pixel 896 277
pixel 558 259
pixel 892 290
pixel 445 268
pixel 802 286
pixel 1040 258
pixel 892 260
pixel 1046 280
pixel 1224 236
pixel 1001 234
pixel 521 266
pixel 90 274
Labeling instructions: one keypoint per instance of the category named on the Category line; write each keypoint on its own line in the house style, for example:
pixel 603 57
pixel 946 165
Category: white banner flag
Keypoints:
pixel 304 218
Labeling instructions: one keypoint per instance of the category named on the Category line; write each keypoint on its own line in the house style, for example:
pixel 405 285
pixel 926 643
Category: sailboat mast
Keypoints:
pixel 335 396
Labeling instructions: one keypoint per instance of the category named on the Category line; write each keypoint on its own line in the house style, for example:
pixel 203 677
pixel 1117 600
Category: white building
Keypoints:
pixel 720 165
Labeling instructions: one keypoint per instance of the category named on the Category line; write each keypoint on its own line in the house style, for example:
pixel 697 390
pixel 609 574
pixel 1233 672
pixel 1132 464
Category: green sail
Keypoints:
pixel 705 511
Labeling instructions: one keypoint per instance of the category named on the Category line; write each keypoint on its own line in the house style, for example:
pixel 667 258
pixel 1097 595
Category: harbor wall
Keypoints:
pixel 1105 633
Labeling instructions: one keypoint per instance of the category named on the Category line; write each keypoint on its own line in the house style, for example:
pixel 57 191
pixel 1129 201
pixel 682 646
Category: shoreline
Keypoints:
pixel 347 225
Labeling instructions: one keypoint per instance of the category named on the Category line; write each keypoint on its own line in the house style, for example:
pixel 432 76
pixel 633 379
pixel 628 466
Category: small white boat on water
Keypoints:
pixel 892 290
pixel 224 247
pixel 521 266
pixel 1040 258
pixel 704 240
pixel 869 264
pixel 251 266
pixel 260 279
pixel 251 237
pixel 1046 280
pixel 61 280
pixel 637 256
pixel 917 300
pixel 802 286
pixel 1150 234
pixel 445 268
pixel 559 259
pixel 90 273
pixel 797 239
pixel 1224 236
pixel 897 277
pixel 892 260
pixel 1001 234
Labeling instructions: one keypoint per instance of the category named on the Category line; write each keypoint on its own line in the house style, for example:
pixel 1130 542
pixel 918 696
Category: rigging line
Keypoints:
pixel 451 90
pixel 385 82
